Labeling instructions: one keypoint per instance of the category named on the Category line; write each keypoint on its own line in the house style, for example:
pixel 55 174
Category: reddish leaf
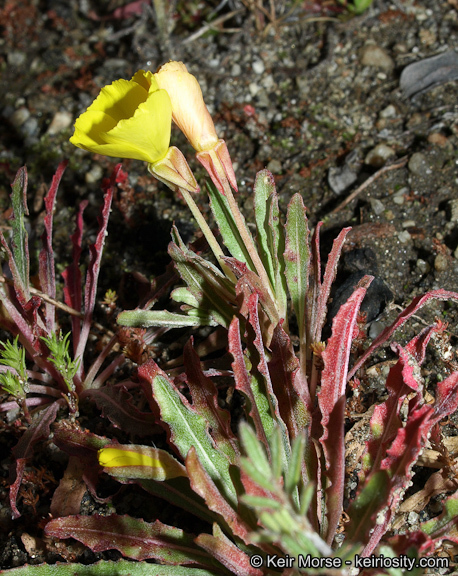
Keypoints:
pixel 446 398
pixel 92 275
pixel 331 400
pixel 46 257
pixel 227 553
pixel 133 537
pixel 287 384
pixel 203 485
pixel 243 378
pixel 72 276
pixel 415 305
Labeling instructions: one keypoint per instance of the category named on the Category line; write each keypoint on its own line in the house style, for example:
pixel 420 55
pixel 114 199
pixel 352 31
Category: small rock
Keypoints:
pixel 60 122
pixel 274 166
pixel 378 156
pixel 94 175
pixel 441 263
pixel 376 57
pixel 453 210
pixel 236 70
pixel 404 236
pixel 20 116
pixel 388 112
pixel 377 206
pixel 258 66
pixel 418 165
pixel 16 58
pixel 438 139
pixel 422 266
pixel 408 224
pixel 254 88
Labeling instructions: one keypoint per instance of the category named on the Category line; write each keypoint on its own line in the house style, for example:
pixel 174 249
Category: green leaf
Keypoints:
pixel 293 474
pixel 19 243
pixel 148 318
pixel 372 497
pixel 270 238
pixel 60 357
pixel 227 226
pixel 188 429
pixel 297 258
pixel 255 450
pixel 106 568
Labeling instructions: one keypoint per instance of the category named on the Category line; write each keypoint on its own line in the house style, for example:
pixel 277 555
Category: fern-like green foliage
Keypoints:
pixel 13 356
pixel 60 357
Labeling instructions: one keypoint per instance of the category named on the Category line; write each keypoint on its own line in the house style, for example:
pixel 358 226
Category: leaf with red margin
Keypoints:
pixel 415 305
pixel 133 537
pixel 24 449
pixel 221 548
pixel 446 398
pixel 287 383
pixel 18 255
pixel 46 257
pixel 205 400
pixel 403 378
pixel 95 257
pixel 242 378
pixel 331 400
pixel 72 276
pixel 318 298
pixel 186 428
pixel 203 485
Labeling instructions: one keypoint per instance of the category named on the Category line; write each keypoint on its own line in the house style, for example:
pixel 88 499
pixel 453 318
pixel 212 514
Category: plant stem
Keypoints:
pixel 246 236
pixel 212 242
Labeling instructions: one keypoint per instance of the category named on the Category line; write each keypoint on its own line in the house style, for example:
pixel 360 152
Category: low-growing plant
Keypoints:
pixel 267 481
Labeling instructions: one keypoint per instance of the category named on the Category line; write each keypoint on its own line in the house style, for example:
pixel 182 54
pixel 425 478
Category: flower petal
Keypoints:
pixel 146 135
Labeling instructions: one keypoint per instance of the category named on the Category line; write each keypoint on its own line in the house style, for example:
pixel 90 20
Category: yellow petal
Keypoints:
pixel 120 99
pixel 129 119
pixel 156 463
pixel 147 132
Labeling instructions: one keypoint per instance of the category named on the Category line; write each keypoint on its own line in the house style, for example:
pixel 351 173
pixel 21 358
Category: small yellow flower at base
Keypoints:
pixel 148 462
pixel 188 107
pixel 174 172
pixel 129 119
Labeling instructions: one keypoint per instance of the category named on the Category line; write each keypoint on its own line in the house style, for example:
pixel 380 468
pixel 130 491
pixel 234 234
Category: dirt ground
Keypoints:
pixel 314 96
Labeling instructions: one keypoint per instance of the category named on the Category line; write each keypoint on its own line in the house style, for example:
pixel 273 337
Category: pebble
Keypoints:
pixel 376 57
pixel 388 112
pixel 422 266
pixel 404 236
pixel 453 210
pixel 378 156
pixel 236 70
pixel 20 116
pixel 16 58
pixel 377 206
pixel 258 66
pixel 60 122
pixel 274 166
pixel 94 175
pixel 441 263
pixel 408 224
pixel 438 139
pixel 418 165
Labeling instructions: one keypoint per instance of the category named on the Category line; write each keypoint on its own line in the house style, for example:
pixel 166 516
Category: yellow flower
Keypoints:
pixel 129 119
pixel 188 107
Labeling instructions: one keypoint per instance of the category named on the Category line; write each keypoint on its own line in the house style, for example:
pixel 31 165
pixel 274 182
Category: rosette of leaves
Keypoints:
pixel 273 486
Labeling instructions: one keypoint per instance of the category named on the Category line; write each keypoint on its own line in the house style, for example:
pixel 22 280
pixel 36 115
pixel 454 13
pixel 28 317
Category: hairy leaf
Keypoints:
pixel 106 568
pixel 133 537
pixel 331 400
